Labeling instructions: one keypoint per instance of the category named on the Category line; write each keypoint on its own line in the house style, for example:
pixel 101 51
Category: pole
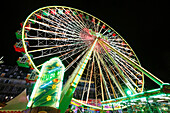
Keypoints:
pixel 71 85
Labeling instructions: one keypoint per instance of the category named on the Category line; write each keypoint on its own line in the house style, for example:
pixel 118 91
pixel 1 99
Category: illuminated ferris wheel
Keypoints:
pixel 89 48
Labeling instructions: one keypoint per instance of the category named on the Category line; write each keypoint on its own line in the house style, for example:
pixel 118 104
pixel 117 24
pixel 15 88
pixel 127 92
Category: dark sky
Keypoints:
pixel 138 22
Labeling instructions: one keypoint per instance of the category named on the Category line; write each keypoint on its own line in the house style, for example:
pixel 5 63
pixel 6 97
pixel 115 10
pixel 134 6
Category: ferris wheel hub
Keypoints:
pixel 89 36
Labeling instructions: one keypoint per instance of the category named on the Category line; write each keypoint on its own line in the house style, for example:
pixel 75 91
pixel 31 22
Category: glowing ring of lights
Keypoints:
pixel 44 28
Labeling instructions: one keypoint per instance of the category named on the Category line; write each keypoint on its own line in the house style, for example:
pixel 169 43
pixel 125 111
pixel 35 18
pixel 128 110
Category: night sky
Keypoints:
pixel 139 23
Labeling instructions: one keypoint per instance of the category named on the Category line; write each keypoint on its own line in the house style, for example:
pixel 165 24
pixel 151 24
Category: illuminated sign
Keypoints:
pixel 47 89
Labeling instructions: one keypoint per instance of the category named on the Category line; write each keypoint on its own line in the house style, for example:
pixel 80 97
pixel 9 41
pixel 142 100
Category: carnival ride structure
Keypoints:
pixel 93 53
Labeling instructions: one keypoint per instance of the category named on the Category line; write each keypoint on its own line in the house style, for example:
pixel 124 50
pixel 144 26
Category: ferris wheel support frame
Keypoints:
pixel 147 73
pixel 67 93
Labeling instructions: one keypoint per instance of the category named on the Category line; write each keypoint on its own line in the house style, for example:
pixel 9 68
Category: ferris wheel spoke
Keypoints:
pixel 56 46
pixel 113 78
pixel 125 50
pixel 63 57
pixel 113 69
pixel 122 49
pixel 64 19
pixel 81 69
pixel 58 23
pixel 95 85
pixel 125 71
pixel 64 39
pixel 129 68
pixel 98 25
pixel 41 41
pixel 105 31
pixel 101 29
pixel 75 20
pixel 128 80
pixel 75 60
pixel 127 76
pixel 102 79
pixel 81 17
pixel 114 73
pixel 135 78
pixel 102 75
pixel 64 34
pixel 47 31
pixel 110 83
pixel 88 22
pixel 91 73
pixel 54 27
pixel 119 70
pixel 45 38
pixel 58 18
pixel 101 86
pixel 122 62
pixel 68 18
pixel 86 83
pixel 151 76
pixel 93 23
pixel 51 44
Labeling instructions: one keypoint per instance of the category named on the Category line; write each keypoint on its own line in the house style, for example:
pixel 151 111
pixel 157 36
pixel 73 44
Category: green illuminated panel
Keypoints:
pixel 47 89
pixel 164 90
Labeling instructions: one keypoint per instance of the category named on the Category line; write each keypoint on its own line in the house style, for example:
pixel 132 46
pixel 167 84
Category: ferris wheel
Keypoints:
pixel 89 48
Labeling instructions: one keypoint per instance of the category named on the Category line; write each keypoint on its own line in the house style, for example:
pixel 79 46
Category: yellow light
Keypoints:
pixel 48 98
pixel 54 86
pixel 57 64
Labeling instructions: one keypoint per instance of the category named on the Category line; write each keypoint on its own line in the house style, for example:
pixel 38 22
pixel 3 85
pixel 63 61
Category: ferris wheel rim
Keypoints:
pixel 31 60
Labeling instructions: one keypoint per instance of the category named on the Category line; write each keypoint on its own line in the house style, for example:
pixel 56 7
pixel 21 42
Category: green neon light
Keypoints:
pixel 129 92
pixel 48 87
pixel 140 96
